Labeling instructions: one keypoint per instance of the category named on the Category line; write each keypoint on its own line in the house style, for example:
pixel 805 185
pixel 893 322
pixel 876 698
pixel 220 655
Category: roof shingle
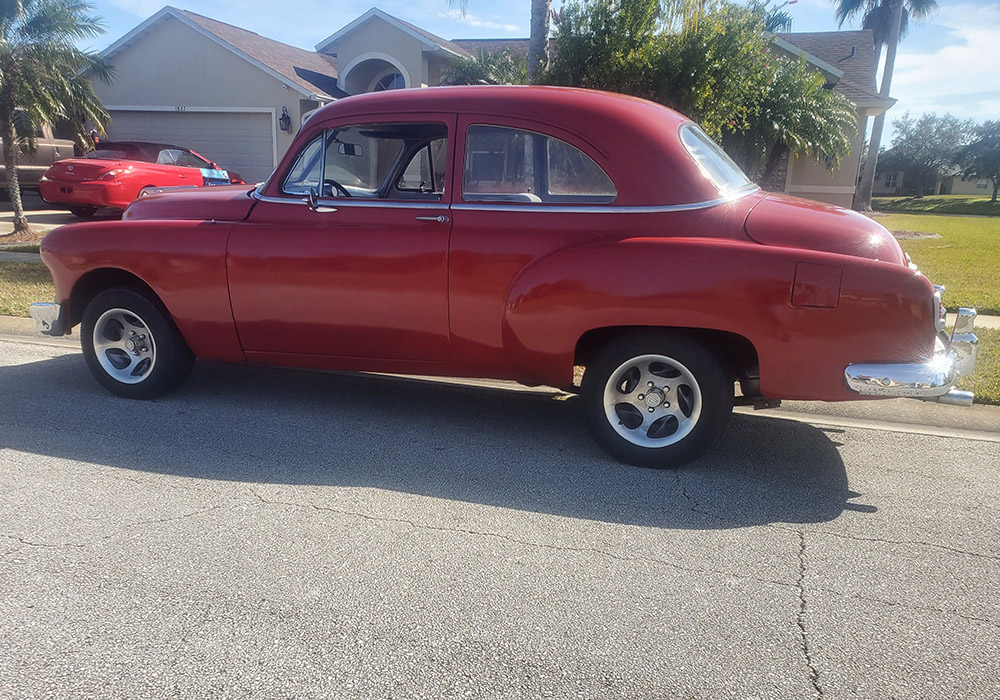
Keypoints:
pixel 310 70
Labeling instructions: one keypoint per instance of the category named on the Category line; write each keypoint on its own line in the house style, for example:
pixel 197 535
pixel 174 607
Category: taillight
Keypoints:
pixel 112 174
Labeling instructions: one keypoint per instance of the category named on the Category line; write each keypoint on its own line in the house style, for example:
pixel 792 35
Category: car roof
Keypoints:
pixel 636 141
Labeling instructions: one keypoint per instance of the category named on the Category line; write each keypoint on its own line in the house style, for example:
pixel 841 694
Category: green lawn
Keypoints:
pixel 965 259
pixel 22 284
pixel 940 204
pixel 19 248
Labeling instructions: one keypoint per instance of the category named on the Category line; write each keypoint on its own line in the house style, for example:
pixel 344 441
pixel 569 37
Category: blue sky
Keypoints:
pixel 948 64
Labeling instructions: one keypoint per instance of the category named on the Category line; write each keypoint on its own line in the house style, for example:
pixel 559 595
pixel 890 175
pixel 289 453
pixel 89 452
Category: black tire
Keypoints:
pixel 688 407
pixel 83 211
pixel 157 361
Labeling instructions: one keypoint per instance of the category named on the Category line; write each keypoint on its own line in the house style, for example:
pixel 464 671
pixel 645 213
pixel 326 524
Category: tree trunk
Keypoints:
pixel 538 54
pixel 996 186
pixel 863 196
pixel 9 137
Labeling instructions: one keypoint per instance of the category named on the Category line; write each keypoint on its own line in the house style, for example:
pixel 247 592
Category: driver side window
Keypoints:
pixel 392 160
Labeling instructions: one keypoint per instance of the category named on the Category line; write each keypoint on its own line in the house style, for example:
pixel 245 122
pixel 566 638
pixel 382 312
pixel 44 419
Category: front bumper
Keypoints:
pixel 932 380
pixel 48 318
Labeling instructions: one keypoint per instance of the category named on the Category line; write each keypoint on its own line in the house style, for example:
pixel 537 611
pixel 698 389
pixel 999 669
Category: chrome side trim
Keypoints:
pixel 518 207
pixel 601 208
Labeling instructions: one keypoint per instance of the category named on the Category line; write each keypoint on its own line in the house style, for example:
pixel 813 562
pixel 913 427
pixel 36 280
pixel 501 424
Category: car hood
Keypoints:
pixel 790 222
pixel 221 203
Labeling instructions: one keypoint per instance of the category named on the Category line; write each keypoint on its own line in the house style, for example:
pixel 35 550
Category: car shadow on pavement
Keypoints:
pixel 501 448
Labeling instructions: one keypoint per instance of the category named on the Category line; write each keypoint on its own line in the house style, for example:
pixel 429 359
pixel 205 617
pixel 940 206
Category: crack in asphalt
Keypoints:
pixel 881 540
pixel 513 540
pixel 124 528
pixel 800 618
pixel 909 606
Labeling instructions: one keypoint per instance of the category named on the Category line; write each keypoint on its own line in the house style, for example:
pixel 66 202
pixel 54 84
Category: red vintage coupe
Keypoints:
pixel 514 233
pixel 115 173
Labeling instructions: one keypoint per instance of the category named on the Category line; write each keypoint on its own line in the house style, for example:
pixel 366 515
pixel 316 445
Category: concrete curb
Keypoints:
pixel 32 258
pixel 978 422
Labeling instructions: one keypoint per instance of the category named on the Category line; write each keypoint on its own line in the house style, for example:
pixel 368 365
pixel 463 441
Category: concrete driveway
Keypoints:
pixel 266 533
pixel 44 217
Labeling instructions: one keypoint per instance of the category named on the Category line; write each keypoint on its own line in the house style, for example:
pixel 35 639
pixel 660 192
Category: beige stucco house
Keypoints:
pixel 221 90
pixel 227 88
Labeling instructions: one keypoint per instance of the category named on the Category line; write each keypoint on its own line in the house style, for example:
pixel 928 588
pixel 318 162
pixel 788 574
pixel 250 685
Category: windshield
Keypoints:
pixel 713 161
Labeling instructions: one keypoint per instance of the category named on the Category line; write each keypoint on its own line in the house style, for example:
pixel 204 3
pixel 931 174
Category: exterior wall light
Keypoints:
pixel 285 121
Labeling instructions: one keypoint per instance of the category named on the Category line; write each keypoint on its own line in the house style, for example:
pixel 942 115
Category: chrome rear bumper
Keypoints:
pixel 932 380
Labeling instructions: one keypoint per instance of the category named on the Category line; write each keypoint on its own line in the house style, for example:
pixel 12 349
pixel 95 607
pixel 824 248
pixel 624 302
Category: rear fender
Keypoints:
pixel 881 310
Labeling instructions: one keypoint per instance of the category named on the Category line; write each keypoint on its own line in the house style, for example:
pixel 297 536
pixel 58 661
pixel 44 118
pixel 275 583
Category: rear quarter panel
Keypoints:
pixel 883 313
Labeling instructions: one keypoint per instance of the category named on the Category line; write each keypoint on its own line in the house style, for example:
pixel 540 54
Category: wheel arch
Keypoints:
pixel 92 283
pixel 736 352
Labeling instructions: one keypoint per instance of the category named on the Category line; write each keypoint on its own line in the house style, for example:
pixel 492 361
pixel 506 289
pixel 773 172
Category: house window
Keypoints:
pixel 392 81
pixel 891 180
pixel 982 184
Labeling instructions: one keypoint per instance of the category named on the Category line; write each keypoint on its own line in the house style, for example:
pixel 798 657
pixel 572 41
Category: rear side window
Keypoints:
pixel 712 160
pixel 514 165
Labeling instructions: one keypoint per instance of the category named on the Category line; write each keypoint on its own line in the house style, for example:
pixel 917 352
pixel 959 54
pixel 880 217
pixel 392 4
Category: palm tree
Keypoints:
pixel 888 20
pixel 503 67
pixel 44 77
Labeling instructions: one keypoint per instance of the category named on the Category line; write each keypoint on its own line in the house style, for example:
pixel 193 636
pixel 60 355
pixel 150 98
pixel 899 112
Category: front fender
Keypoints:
pixel 881 310
pixel 183 262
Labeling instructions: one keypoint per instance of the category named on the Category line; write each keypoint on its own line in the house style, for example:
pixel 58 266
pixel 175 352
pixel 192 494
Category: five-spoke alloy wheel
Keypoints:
pixel 656 399
pixel 132 346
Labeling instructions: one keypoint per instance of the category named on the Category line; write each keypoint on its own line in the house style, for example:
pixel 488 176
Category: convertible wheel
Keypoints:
pixel 656 399
pixel 83 212
pixel 131 345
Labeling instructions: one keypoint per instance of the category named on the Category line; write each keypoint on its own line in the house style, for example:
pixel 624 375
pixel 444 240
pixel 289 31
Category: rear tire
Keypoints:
pixel 656 399
pixel 132 346
pixel 83 212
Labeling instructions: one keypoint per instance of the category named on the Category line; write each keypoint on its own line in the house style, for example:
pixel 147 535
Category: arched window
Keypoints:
pixel 390 81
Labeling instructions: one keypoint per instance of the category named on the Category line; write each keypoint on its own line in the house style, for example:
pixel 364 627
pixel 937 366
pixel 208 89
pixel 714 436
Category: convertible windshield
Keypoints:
pixel 713 161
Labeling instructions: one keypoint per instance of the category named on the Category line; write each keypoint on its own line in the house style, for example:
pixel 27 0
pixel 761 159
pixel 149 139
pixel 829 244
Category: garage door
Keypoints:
pixel 240 142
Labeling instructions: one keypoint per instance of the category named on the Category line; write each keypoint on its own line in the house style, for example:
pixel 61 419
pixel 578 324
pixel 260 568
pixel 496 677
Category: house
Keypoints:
pixel 230 94
pixel 889 183
pixel 847 61
pixel 238 98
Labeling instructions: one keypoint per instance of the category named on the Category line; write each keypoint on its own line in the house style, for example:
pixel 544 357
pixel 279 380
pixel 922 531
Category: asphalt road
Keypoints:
pixel 266 534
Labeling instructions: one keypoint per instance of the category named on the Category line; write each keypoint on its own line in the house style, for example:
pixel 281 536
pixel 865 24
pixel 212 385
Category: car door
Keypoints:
pixel 347 253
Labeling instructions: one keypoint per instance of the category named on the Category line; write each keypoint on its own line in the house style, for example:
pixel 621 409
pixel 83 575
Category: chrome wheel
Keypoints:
pixel 124 346
pixel 652 401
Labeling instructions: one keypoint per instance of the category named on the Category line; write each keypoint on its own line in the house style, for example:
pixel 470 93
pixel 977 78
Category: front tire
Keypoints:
pixel 132 346
pixel 656 399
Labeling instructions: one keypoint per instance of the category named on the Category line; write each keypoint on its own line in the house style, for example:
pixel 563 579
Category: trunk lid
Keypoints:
pixel 790 222
pixel 81 169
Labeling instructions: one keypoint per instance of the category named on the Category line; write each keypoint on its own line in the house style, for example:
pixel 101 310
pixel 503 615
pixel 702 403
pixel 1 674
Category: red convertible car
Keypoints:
pixel 115 173
pixel 514 233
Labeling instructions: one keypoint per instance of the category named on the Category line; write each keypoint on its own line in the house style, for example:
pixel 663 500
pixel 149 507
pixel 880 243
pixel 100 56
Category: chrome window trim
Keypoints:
pixel 521 207
pixel 346 202
pixel 603 208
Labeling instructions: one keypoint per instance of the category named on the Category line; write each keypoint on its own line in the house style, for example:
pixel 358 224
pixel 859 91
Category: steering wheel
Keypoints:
pixel 337 186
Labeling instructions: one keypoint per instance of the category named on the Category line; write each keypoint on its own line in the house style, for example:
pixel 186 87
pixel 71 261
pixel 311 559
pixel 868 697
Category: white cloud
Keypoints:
pixel 474 21
pixel 961 77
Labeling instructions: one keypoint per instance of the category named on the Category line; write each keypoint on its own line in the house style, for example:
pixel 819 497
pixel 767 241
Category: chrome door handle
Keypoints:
pixel 440 219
